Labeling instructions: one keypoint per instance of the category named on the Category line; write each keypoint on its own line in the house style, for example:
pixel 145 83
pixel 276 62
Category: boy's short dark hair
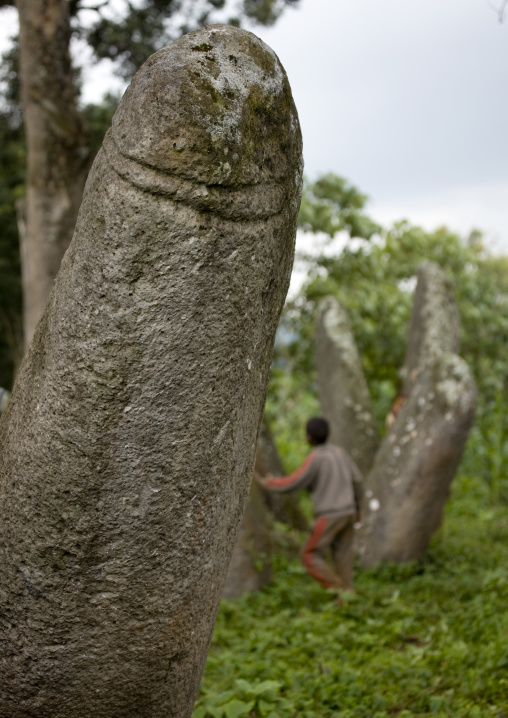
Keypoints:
pixel 318 429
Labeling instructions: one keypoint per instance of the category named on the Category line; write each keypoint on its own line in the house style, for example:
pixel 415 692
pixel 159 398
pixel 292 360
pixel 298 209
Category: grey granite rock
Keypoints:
pixel 285 508
pixel 410 480
pixel 250 567
pixel 127 449
pixel 434 327
pixel 411 477
pixel 343 391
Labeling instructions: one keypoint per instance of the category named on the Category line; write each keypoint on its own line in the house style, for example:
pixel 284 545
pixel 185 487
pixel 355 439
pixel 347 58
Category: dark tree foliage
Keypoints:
pixel 12 191
pixel 12 182
pixel 129 35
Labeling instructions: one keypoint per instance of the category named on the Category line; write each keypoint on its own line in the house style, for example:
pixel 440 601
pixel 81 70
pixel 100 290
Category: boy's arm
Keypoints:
pixel 300 479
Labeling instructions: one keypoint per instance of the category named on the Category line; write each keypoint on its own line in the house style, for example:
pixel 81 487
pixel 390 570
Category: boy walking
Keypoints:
pixel 335 484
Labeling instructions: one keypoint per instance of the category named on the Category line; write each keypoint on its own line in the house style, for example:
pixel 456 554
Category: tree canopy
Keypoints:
pixel 128 32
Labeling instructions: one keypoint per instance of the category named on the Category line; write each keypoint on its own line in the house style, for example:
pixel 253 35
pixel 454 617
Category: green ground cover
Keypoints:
pixel 422 639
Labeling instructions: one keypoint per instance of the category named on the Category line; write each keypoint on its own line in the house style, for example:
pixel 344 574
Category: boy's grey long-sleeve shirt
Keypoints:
pixel 331 476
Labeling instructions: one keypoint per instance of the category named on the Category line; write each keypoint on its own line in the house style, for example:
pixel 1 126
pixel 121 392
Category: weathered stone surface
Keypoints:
pixel 415 465
pixel 128 446
pixel 343 391
pixel 250 567
pixel 410 480
pixel 434 327
pixel 284 507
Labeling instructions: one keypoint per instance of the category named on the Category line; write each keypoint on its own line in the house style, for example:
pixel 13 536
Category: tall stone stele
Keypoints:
pixel 343 392
pixel 250 567
pixel 128 447
pixel 410 479
pixel 408 474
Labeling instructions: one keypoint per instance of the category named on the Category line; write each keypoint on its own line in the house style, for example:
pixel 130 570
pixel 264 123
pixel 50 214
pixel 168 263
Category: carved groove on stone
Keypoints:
pixel 236 203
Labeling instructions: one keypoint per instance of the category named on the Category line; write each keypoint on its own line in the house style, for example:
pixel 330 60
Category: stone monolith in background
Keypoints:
pixel 414 467
pixel 250 567
pixel 435 323
pixel 284 507
pixel 343 391
pixel 128 447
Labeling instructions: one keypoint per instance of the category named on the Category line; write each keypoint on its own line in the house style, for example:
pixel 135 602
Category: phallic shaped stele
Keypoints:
pixel 128 447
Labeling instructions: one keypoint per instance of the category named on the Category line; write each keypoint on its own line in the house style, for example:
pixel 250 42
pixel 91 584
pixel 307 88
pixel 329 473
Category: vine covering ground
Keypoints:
pixel 421 639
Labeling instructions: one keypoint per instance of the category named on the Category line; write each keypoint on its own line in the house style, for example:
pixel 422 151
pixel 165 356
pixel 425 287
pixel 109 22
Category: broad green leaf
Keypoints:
pixel 265 686
pixel 237 708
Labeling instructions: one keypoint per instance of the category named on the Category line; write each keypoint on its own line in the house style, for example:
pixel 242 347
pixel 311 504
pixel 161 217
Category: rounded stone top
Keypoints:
pixel 214 107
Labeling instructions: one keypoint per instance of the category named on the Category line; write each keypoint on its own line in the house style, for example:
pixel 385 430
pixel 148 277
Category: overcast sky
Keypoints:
pixel 408 99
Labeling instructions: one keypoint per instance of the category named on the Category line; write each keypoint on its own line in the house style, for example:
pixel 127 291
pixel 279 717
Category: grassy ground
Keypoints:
pixel 424 639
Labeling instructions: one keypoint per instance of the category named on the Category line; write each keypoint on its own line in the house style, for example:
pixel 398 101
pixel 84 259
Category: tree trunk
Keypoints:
pixel 127 450
pixel 415 465
pixel 57 149
pixel 343 391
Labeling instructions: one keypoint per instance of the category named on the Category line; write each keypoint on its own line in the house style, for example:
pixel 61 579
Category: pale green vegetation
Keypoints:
pixel 421 639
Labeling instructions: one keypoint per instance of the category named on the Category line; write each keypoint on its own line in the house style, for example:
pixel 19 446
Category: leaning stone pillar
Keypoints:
pixel 343 391
pixel 250 567
pixel 434 326
pixel 127 449
pixel 415 465
pixel 284 507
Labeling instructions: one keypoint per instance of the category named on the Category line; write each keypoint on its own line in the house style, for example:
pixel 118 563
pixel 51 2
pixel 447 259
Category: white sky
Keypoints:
pixel 408 99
